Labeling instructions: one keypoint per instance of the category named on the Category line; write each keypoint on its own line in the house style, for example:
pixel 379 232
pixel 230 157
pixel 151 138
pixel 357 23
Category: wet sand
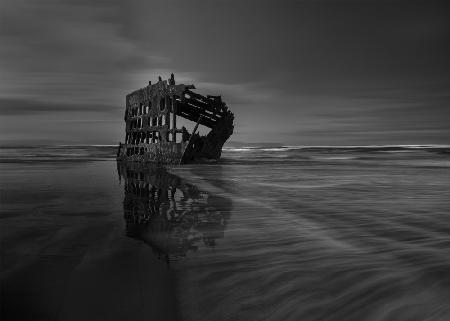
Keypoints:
pixel 264 235
pixel 65 255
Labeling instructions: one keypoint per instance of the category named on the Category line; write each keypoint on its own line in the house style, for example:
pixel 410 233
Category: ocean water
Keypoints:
pixel 281 233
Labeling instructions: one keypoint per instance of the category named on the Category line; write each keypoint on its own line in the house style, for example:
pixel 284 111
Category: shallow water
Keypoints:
pixel 282 233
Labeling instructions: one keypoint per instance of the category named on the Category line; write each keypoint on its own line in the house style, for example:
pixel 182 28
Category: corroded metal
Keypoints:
pixel 151 132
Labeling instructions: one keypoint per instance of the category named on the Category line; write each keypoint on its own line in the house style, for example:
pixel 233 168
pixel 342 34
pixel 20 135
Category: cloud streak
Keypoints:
pixel 21 107
pixel 289 72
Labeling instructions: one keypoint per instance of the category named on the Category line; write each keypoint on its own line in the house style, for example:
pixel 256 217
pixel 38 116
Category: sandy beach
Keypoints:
pixel 267 234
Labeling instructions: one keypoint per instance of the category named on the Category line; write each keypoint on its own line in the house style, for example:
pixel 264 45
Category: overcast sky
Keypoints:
pixel 294 72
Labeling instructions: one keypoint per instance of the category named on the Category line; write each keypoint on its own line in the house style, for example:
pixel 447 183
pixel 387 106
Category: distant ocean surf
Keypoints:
pixel 251 153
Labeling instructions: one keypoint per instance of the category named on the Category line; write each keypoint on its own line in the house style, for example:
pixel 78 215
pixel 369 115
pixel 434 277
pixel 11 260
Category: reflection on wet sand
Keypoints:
pixel 169 214
pixel 330 236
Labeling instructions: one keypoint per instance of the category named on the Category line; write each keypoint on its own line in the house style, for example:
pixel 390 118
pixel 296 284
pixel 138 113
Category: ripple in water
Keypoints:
pixel 318 242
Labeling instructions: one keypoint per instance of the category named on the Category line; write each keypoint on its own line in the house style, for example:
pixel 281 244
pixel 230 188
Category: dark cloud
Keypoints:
pixel 22 107
pixel 291 71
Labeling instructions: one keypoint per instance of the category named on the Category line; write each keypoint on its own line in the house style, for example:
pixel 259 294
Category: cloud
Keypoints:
pixel 342 65
pixel 22 107
pixel 68 51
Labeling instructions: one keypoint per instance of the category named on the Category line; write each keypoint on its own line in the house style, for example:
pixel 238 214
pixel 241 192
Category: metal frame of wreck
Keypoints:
pixel 151 124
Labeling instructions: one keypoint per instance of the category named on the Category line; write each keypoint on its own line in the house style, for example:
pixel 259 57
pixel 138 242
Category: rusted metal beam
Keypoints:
pixel 194 116
pixel 214 103
pixel 190 138
pixel 198 96
pixel 193 105
pixel 196 112
pixel 199 104
pixel 204 121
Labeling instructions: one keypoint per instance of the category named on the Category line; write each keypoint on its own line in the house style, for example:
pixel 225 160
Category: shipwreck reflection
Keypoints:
pixel 169 214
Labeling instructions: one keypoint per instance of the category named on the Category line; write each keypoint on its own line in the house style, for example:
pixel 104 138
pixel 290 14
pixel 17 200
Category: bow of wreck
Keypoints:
pixel 152 135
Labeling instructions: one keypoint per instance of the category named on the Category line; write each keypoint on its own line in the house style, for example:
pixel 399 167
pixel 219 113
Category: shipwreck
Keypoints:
pixel 152 135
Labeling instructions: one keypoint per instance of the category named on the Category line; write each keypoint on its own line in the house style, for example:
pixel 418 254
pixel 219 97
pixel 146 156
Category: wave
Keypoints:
pixel 57 146
pixel 388 148
pixel 58 153
pixel 257 154
pixel 335 158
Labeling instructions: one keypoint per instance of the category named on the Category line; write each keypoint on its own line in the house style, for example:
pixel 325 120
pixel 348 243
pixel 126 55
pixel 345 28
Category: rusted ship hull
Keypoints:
pixel 152 134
